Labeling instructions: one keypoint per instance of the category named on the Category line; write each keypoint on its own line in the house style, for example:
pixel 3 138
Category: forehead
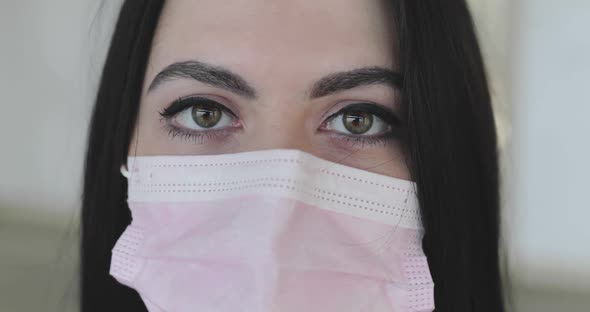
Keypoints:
pixel 282 38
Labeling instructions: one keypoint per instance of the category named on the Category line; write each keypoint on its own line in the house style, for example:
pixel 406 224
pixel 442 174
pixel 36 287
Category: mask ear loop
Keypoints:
pixel 124 171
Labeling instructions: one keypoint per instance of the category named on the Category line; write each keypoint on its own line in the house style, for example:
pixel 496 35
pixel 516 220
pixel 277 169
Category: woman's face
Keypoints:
pixel 242 75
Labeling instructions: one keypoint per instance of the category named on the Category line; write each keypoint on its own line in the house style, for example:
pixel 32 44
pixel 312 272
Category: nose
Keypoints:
pixel 286 130
pixel 279 139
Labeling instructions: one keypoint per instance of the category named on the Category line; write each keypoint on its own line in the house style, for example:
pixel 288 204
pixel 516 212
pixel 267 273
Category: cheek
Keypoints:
pixel 150 137
pixel 389 159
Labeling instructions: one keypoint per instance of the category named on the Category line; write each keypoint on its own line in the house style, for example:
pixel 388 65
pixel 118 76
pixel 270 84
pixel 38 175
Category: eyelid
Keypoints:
pixel 380 111
pixel 183 103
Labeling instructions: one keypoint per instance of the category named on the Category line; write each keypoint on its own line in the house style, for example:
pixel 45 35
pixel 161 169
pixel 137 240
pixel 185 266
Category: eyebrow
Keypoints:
pixel 212 75
pixel 223 78
pixel 355 78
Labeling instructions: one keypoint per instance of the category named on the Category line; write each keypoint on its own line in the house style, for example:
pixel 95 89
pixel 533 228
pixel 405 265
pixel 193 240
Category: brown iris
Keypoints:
pixel 357 122
pixel 206 115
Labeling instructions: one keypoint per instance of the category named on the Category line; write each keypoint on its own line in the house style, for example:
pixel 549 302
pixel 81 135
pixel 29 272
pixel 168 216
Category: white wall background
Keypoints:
pixel 550 177
pixel 50 63
pixel 538 56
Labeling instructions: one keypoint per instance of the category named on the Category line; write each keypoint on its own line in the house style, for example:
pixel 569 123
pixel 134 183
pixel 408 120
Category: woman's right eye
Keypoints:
pixel 198 114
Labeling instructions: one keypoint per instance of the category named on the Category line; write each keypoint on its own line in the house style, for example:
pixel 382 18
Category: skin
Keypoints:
pixel 280 49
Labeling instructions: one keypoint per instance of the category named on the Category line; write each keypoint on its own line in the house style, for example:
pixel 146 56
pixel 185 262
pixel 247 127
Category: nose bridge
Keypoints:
pixel 288 135
pixel 281 129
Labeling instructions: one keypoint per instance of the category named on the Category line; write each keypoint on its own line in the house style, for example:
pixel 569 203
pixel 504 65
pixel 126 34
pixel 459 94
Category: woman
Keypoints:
pixel 395 88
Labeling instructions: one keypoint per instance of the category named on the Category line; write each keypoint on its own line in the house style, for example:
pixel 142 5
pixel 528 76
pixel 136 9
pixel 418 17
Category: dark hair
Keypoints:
pixel 452 153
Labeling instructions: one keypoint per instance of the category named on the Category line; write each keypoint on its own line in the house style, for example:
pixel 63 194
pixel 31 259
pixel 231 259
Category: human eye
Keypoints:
pixel 363 123
pixel 196 117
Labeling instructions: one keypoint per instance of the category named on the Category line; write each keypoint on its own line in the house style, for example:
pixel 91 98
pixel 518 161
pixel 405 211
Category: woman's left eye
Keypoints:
pixel 361 120
pixel 199 114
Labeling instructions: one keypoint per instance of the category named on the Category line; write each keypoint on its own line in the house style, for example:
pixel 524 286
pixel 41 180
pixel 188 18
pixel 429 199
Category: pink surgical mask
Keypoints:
pixel 273 230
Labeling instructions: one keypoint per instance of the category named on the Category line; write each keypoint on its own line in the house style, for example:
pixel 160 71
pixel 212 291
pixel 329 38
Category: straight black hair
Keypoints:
pixel 452 153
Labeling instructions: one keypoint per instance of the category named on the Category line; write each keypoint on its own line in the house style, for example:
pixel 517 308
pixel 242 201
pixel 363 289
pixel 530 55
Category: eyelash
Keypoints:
pixel 200 137
pixel 182 104
pixel 384 114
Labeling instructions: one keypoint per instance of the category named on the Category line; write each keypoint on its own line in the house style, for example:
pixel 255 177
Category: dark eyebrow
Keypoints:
pixel 355 78
pixel 215 76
